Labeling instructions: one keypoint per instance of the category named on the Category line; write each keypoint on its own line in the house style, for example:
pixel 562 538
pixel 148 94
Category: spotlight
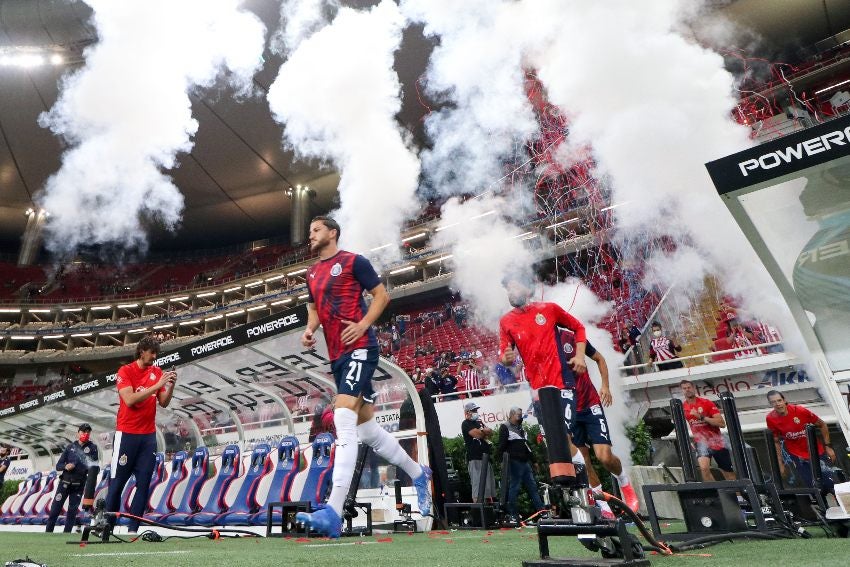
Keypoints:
pixel 56 59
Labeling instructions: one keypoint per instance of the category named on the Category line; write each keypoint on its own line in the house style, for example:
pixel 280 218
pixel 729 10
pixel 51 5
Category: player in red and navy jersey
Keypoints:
pixel 788 424
pixel 590 427
pixel 141 385
pixel 335 286
pixel 705 420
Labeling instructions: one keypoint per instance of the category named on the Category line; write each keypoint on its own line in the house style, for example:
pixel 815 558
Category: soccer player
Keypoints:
pixel 533 328
pixel 788 424
pixel 590 426
pixel 705 420
pixel 335 285
pixel 141 385
pixel 74 465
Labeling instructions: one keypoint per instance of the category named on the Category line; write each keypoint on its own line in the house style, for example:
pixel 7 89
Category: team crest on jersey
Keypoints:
pixel 699 410
pixel 540 319
pixel 319 460
pixel 336 269
pixel 123 460
pixel 152 377
pixel 568 348
pixel 85 449
pixel 796 420
pixel 58 497
pixel 568 394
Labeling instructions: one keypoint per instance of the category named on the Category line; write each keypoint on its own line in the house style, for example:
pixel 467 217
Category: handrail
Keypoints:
pixel 517 386
pixel 703 355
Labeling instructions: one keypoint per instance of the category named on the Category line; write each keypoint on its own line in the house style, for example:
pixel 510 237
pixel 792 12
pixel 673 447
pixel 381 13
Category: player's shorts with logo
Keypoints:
pixel 353 373
pixel 591 427
pixel 568 403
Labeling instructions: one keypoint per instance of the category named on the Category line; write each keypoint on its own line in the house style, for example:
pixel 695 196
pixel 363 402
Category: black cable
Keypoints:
pixel 706 541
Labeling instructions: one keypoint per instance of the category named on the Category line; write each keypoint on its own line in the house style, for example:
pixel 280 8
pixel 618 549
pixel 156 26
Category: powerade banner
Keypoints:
pixel 800 150
pixel 208 346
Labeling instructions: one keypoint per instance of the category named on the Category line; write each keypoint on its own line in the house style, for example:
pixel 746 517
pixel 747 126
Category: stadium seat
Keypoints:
pixel 7 505
pixel 189 502
pixel 241 499
pixel 41 509
pixel 166 494
pixel 130 489
pixel 18 507
pixel 279 488
pixel 212 493
pixel 317 481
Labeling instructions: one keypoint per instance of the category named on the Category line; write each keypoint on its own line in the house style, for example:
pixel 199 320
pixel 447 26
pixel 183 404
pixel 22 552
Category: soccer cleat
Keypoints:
pixel 422 495
pixel 630 498
pixel 324 521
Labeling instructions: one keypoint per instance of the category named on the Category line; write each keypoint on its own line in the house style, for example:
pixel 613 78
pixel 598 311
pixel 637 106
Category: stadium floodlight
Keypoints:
pixel 10 310
pixel 823 90
pixel 482 215
pixel 72 310
pixel 192 322
pixel 165 326
pixel 296 272
pixel 39 310
pixel 81 335
pixel 23 337
pixel 101 307
pixel 275 278
pixel 54 336
pixel 257 307
pixel 304 296
pixel 110 333
pixel 233 313
pixel 126 306
pixel 557 224
pixel 181 298
pixel 207 294
pixel 440 259
pixel 56 59
pixel 254 284
pixel 414 237
pixel 402 270
pixel 156 302
pixel 136 331
pixel 214 317
pixel 609 207
pixel 282 301
pixel 381 247
pixel 237 288
pixel 444 227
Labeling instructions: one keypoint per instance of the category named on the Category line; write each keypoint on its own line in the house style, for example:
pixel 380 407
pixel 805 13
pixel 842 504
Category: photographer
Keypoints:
pixel 74 465
pixel 512 438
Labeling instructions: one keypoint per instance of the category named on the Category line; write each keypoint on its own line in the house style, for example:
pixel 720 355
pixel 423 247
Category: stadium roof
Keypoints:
pixel 235 177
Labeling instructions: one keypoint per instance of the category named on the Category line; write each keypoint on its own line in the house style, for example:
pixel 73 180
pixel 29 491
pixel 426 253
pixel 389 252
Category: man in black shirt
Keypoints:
pixel 512 438
pixel 4 463
pixel 475 436
pixel 74 465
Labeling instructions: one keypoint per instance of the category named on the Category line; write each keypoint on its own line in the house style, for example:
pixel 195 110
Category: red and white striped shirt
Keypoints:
pixel 470 378
pixel 662 347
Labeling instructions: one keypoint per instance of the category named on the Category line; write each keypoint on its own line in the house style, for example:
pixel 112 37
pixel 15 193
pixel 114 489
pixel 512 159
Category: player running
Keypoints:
pixel 335 285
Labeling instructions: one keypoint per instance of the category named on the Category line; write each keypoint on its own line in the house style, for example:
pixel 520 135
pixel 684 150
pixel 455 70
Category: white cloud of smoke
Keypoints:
pixel 126 115
pixel 337 96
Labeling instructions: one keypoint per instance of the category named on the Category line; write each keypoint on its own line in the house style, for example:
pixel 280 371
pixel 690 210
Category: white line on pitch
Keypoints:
pixel 342 543
pixel 128 553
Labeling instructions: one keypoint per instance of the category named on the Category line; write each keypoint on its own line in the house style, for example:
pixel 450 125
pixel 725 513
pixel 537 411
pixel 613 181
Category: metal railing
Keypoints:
pixel 706 356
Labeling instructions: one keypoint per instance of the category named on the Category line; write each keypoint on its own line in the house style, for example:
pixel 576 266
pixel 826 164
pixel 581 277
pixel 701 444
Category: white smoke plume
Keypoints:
pixel 337 95
pixel 486 247
pixel 301 18
pixel 655 106
pixel 126 115
pixel 477 69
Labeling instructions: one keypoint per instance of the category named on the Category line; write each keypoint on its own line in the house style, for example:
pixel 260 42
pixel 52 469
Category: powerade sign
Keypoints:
pixel 272 325
pixel 795 152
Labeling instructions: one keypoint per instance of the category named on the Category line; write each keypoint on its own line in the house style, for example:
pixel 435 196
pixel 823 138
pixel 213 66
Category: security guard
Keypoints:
pixel 74 465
